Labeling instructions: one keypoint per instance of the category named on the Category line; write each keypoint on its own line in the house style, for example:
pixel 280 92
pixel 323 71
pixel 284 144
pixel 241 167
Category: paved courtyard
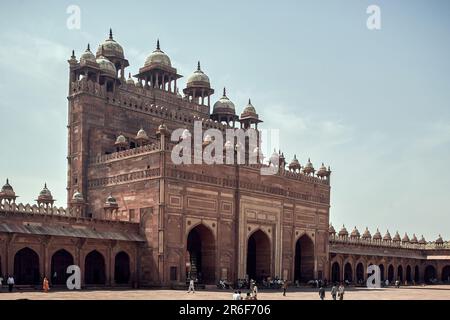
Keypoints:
pixel 406 293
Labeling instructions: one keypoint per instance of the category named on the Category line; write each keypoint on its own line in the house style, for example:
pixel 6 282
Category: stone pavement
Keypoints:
pixel 404 293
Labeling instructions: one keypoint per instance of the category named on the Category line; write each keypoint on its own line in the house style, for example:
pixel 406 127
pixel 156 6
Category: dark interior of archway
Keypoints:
pixel 94 268
pixel 430 274
pixel 335 272
pixel 381 266
pixel 60 261
pixel 416 274
pixel 446 274
pixel 304 259
pixel 359 272
pixel 400 273
pixel 391 273
pixel 258 256
pixel 408 274
pixel 122 268
pixel 26 267
pixel 348 273
pixel 201 248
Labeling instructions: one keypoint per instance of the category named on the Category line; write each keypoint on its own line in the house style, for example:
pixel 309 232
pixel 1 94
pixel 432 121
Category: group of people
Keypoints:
pixel 252 294
pixel 337 292
pixel 11 282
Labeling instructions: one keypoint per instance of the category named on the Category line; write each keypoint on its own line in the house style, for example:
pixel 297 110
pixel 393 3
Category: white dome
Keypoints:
pixel 158 57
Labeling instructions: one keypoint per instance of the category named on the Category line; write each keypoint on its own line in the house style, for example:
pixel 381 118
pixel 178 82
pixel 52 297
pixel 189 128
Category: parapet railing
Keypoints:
pixel 125 153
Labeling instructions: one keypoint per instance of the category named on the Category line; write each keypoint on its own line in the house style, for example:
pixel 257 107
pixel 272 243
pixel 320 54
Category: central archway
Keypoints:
pixel 94 268
pixel 26 267
pixel 258 256
pixel 304 259
pixel 61 259
pixel 201 249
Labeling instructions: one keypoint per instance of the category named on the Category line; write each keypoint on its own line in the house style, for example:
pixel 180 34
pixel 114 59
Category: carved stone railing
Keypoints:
pixel 124 178
pixel 125 153
pixel 37 210
pixel 336 239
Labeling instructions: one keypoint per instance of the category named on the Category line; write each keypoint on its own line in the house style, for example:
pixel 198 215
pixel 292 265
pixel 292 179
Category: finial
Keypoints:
pixel 45 185
pixel 249 101
pixel 224 91
pixel 73 54
pixel 295 157
pixel 323 165
pixel 110 34
pixel 129 75
pixel 198 66
pixel 7 181
pixel 157 44
pixel 88 47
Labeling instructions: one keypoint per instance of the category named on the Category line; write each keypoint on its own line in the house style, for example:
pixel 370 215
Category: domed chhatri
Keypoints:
pixel 224 110
pixel 110 48
pixel 121 140
pixel 309 168
pixel 106 66
pixel 323 172
pixel 366 235
pixel 158 57
pixel 439 240
pixel 295 165
pixel 422 240
pixel 142 137
pixel 396 237
pixel 343 232
pixel 111 201
pixel 414 239
pixel 130 80
pixel 355 234
pixel 7 193
pixel 87 56
pixel 77 197
pixel 377 236
pixel 249 116
pixel 387 236
pixel 331 229
pixel 198 87
pixel 163 130
pixel 45 197
pixel 405 238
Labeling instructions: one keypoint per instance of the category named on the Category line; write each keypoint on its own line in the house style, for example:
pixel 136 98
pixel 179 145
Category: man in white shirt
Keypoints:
pixel 191 286
pixel 10 283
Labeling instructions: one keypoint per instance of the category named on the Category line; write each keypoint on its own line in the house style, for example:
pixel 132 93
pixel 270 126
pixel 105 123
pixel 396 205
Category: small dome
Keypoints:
pixel 405 238
pixel 275 158
pixel 121 140
pixel 198 78
pixel 355 233
pixel 413 239
pixel 366 235
pixel 377 235
pixel 45 194
pixel 387 236
pixel 331 229
pixel 249 108
pixel 158 57
pixel 295 164
pixel 7 190
pixel 110 47
pixel 141 135
pixel 396 237
pixel 224 105
pixel 343 232
pixel 308 168
pixel 87 56
pixel 422 240
pixel 106 66
pixel 439 240
pixel 77 196
pixel 323 172
pixel 111 201
pixel 130 79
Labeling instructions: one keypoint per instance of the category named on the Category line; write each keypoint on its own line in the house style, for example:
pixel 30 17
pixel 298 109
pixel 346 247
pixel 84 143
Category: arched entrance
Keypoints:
pixel 335 272
pixel 348 272
pixel 430 274
pixel 400 273
pixel 258 256
pixel 201 249
pixel 360 273
pixel 391 273
pixel 416 274
pixel 26 267
pixel 61 259
pixel 94 268
pixel 382 276
pixel 122 268
pixel 304 259
pixel 408 274
pixel 446 274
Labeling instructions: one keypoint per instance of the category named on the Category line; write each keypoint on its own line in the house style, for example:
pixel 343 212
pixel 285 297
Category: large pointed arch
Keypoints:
pixel 94 268
pixel 259 255
pixel 201 254
pixel 26 267
pixel 61 259
pixel 304 259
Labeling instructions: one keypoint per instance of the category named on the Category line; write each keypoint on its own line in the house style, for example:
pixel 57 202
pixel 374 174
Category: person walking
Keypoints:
pixel 334 290
pixel 10 283
pixel 191 286
pixel 284 286
pixel 255 292
pixel 45 285
pixel 322 293
pixel 341 291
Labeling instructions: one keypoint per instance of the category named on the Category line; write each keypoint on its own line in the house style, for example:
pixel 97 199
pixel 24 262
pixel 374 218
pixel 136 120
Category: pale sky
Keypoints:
pixel 374 105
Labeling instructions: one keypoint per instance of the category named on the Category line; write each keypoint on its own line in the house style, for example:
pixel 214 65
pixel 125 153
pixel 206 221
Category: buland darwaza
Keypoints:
pixel 133 218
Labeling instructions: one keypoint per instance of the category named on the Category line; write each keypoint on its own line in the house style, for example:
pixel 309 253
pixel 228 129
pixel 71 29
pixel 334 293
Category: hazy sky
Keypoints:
pixel 372 104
